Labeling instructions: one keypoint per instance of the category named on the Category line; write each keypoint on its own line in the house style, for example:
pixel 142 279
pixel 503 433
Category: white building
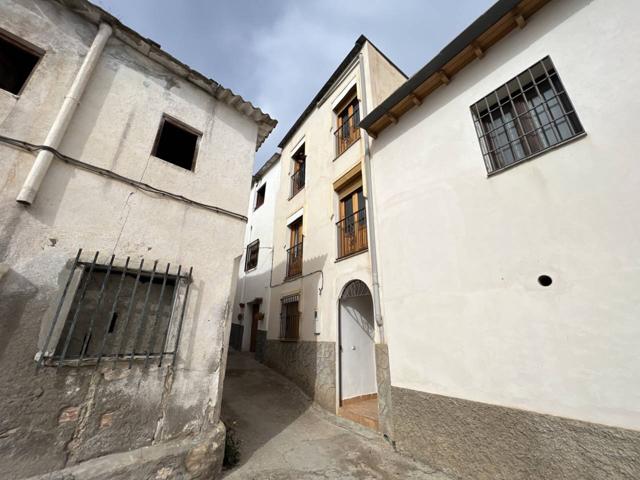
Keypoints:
pixel 508 229
pixel 112 146
pixel 251 306
pixel 320 323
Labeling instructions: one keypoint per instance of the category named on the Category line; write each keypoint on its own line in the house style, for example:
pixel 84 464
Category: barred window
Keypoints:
pixel 116 311
pixel 251 258
pixel 524 117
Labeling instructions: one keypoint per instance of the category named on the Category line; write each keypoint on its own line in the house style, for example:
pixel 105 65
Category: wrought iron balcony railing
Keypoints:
pixel 352 234
pixel 294 260
pixel 348 133
pixel 297 181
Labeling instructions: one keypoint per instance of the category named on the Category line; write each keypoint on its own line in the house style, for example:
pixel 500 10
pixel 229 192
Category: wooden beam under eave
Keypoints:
pixel 444 78
pixel 414 98
pixel 519 18
pixel 477 50
pixel 392 118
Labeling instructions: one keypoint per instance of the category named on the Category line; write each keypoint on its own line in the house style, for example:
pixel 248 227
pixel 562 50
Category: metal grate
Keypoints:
pixel 117 313
pixel 294 260
pixel 352 233
pixel 289 318
pixel 526 116
pixel 348 132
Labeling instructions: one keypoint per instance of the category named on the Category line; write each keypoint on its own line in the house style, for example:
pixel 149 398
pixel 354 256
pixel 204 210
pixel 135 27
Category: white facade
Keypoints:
pixel 254 283
pixel 324 274
pixel 460 253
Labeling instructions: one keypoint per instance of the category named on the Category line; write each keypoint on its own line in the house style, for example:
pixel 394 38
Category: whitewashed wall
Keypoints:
pixel 461 253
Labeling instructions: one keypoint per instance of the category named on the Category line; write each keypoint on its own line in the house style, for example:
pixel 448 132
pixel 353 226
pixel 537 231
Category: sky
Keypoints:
pixel 278 53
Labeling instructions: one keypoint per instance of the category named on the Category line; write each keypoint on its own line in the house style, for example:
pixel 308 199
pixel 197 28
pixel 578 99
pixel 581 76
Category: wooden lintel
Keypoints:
pixel 520 20
pixel 414 98
pixel 392 118
pixel 372 135
pixel 477 50
pixel 444 78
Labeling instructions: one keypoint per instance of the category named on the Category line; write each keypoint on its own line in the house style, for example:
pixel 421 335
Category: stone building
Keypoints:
pixel 320 324
pixel 506 186
pixel 131 174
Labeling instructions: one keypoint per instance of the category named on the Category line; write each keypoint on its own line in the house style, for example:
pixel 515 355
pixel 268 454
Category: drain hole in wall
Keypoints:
pixel 545 280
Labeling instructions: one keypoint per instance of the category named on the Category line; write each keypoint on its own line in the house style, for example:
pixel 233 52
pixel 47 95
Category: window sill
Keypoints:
pixel 354 254
pixel 290 340
pixel 250 269
pixel 292 277
pixel 537 154
pixel 347 149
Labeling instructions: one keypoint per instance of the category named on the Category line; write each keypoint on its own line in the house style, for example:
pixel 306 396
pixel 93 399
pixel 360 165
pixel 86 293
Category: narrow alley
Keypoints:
pixel 284 436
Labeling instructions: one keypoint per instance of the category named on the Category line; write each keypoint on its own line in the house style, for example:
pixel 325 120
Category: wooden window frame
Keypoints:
pixel 258 205
pixel 29 47
pixel 247 265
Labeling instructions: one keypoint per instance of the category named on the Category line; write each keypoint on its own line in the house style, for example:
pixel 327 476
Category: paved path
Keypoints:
pixel 284 436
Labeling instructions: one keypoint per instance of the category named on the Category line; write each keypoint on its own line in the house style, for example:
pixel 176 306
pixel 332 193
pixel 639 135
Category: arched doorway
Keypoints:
pixel 357 364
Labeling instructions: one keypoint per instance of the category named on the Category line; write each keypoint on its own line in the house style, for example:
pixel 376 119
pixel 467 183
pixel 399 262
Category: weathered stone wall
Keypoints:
pixel 383 378
pixel 310 365
pixel 489 442
pixel 60 419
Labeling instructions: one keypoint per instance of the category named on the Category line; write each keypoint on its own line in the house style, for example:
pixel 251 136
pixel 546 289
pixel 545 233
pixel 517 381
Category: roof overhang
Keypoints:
pixel 151 49
pixel 495 24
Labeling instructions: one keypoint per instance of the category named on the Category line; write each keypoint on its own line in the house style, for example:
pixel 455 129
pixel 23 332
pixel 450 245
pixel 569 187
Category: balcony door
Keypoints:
pixel 352 227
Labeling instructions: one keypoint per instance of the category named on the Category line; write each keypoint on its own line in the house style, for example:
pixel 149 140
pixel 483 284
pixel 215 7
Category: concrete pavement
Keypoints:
pixel 284 435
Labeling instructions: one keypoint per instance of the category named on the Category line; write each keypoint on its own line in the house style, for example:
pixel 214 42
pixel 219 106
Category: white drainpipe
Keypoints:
pixel 58 129
pixel 375 281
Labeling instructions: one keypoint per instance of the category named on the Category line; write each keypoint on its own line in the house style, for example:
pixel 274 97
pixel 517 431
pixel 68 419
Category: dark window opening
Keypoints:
pixel 348 121
pixel 176 144
pixel 524 117
pixel 260 194
pixel 251 260
pixel 116 313
pixel 16 64
pixel 298 176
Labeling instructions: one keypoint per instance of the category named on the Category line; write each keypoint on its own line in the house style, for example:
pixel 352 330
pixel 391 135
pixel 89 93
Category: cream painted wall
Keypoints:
pixel 319 291
pixel 256 282
pixel 460 253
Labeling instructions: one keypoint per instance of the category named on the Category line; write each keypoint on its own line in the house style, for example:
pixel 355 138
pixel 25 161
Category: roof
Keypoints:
pixel 275 158
pixel 151 49
pixel 353 53
pixel 488 29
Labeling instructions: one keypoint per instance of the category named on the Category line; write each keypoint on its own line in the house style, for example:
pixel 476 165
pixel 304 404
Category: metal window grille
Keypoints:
pixel 289 317
pixel 526 116
pixel 119 314
pixel 251 258
pixel 294 260
pixel 352 233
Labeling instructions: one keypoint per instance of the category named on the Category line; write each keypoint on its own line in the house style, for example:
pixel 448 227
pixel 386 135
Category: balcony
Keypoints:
pixel 294 260
pixel 348 133
pixel 297 182
pixel 352 234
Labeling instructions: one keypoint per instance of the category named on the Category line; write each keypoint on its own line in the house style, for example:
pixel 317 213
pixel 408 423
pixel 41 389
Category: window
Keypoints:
pixel 297 178
pixel 117 313
pixel 352 227
pixel 294 254
pixel 260 194
pixel 176 143
pixel 17 61
pixel 251 260
pixel 290 317
pixel 348 119
pixel 524 117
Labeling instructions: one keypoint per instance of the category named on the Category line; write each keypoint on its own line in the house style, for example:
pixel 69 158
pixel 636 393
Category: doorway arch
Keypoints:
pixel 356 339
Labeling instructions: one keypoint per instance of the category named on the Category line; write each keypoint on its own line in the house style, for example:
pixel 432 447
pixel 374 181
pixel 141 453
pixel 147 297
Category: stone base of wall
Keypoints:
pixel 261 344
pixel 383 378
pixel 310 365
pixel 192 458
pixel 235 337
pixel 488 442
